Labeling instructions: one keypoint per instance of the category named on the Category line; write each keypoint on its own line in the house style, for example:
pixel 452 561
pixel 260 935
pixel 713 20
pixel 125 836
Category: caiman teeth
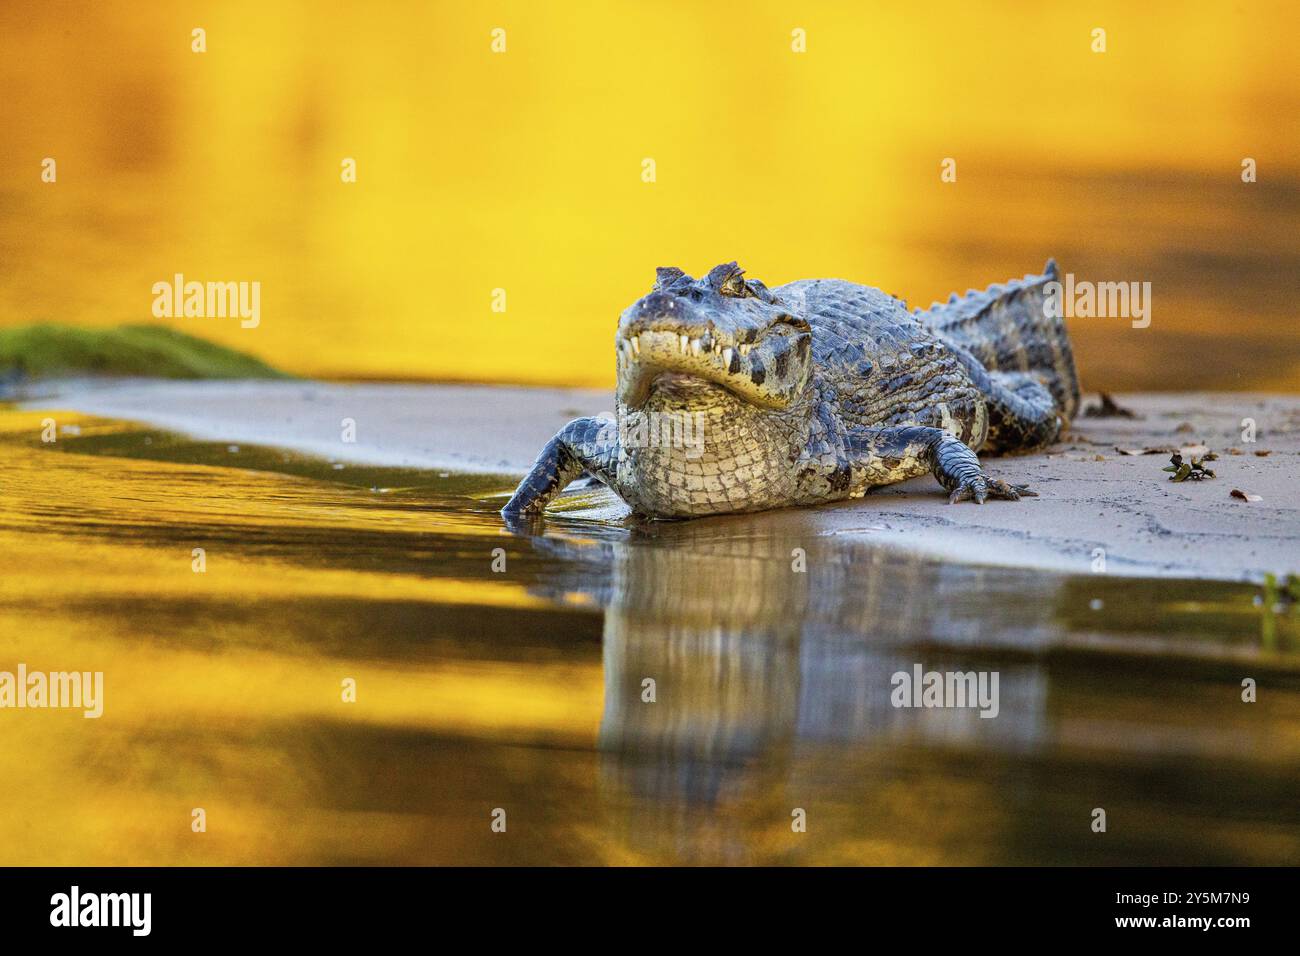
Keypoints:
pixel 695 346
pixel 744 349
pixel 636 345
pixel 683 342
pixel 726 356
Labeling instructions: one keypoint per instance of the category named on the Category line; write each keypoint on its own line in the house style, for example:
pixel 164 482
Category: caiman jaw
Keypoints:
pixel 768 373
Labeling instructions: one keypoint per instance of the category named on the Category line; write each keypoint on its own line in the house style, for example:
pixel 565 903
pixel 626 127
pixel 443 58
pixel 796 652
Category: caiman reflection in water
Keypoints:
pixel 749 667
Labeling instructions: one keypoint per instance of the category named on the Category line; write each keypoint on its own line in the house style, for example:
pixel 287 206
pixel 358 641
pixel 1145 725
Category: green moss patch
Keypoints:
pixel 49 349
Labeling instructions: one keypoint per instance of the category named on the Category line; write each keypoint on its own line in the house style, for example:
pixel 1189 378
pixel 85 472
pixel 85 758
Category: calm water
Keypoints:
pixel 522 689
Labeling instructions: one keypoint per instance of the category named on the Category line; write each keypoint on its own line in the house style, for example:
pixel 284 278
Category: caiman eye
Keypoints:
pixel 734 285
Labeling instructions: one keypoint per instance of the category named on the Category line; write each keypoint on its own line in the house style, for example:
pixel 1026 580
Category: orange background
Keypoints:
pixel 522 170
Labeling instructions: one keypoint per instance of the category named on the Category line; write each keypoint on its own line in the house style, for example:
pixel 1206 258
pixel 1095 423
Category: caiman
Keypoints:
pixel 814 391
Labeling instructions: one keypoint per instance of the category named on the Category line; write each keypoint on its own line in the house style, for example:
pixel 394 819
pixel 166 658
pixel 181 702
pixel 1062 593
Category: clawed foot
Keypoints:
pixel 521 522
pixel 982 487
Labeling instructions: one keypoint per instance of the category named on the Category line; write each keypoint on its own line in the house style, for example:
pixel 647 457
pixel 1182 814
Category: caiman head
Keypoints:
pixel 722 331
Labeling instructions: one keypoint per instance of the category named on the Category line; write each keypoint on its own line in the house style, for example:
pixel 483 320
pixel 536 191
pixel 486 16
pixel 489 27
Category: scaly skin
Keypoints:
pixel 734 398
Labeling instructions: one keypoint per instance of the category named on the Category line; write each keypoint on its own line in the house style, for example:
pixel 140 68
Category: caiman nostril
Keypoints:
pixel 657 303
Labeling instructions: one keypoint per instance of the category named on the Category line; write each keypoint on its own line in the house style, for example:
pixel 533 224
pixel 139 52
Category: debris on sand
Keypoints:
pixel 1193 470
pixel 1108 408
pixel 1244 496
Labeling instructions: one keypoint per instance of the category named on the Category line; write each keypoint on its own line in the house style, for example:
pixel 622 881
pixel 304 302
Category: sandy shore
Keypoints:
pixel 1093 497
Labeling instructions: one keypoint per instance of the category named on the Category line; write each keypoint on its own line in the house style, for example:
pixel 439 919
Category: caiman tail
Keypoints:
pixel 1008 329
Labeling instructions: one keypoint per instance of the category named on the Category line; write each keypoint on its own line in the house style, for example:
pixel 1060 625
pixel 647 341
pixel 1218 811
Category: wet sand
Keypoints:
pixel 1097 504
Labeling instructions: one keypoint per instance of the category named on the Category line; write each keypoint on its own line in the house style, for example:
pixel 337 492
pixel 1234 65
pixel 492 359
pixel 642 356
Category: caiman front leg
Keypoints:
pixel 587 445
pixel 884 456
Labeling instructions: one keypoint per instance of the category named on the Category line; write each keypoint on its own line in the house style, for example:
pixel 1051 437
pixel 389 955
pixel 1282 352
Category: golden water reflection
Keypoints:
pixel 522 689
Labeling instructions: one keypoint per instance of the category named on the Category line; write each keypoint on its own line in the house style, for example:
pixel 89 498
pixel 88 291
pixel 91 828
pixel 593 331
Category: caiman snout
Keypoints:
pixel 662 312
pixel 666 333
